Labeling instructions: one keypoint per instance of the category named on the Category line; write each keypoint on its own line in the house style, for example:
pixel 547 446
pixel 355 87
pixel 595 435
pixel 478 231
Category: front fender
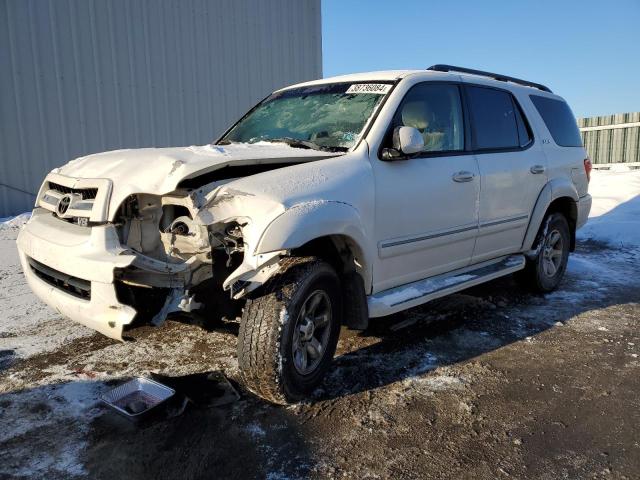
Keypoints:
pixel 307 221
pixel 556 188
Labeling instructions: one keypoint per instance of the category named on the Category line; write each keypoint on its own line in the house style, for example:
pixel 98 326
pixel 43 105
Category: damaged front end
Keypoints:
pixel 123 238
pixel 192 251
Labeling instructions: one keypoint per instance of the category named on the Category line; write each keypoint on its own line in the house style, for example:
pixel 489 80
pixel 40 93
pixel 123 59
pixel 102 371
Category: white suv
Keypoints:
pixel 328 203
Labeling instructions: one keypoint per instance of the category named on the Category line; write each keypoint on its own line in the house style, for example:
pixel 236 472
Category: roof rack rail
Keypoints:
pixel 495 76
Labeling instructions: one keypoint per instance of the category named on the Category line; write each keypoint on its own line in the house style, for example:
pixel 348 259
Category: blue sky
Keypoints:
pixel 587 51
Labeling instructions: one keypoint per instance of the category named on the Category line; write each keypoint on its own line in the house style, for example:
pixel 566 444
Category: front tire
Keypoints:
pixel 288 333
pixel 545 271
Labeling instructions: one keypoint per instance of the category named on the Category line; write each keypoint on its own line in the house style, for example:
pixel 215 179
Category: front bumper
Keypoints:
pixel 90 254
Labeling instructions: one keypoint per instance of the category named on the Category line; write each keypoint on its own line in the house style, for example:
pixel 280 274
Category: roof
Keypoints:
pixel 391 75
pixel 383 75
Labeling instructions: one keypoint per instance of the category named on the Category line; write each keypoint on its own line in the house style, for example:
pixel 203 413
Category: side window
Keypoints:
pixel 435 110
pixel 524 131
pixel 493 114
pixel 559 120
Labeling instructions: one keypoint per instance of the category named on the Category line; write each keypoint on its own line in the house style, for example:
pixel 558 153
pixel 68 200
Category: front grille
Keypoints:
pixel 85 193
pixel 71 285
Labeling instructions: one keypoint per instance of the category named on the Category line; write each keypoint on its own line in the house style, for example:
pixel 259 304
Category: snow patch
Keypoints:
pixel 615 212
pixel 43 412
pixel 419 289
pixel 436 383
pixel 15 222
pixel 256 431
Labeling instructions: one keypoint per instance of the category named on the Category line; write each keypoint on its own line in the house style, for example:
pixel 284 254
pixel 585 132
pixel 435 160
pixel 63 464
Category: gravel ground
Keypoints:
pixel 493 382
pixel 490 383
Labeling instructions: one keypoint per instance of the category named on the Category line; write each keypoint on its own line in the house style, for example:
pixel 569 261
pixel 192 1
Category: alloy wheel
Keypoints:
pixel 311 332
pixel 552 251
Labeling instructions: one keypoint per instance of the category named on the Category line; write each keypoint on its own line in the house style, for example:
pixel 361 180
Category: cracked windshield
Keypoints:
pixel 323 117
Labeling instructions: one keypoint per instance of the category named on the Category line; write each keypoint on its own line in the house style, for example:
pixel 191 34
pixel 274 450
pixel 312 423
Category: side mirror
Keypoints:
pixel 407 140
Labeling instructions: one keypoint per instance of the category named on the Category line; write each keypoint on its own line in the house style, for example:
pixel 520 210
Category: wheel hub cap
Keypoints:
pixel 311 332
pixel 552 252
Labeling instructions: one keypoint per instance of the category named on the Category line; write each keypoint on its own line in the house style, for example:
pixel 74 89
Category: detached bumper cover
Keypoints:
pixel 89 254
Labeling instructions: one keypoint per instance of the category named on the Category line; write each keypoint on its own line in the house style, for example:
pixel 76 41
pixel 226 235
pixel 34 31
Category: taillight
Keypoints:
pixel 587 168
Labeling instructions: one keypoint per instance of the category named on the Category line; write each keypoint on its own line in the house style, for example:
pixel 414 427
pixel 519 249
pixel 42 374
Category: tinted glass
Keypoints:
pixel 494 119
pixel 435 111
pixel 559 120
pixel 524 132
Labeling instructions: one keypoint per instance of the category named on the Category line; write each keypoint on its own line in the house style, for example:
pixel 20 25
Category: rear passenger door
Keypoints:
pixel 512 170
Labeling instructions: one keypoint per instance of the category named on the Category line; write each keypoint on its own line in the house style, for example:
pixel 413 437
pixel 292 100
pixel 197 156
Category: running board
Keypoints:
pixel 416 293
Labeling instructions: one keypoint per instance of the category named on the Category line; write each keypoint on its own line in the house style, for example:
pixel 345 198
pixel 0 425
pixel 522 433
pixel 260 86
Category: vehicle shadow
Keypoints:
pixel 240 440
pixel 62 431
pixel 466 325
pixel 7 358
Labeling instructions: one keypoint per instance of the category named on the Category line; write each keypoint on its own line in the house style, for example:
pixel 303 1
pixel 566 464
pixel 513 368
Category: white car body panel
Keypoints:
pixel 130 171
pixel 402 221
pixel 414 240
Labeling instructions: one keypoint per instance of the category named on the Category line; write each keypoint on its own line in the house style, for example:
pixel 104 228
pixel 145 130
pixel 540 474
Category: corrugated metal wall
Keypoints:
pixel 83 76
pixel 617 142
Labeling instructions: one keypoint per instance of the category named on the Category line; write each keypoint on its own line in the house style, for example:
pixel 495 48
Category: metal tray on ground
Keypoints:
pixel 136 398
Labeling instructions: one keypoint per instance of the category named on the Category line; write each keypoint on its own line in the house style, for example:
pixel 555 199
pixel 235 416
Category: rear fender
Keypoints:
pixel 556 188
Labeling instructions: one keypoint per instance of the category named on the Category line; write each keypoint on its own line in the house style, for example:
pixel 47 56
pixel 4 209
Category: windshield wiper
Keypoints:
pixel 297 143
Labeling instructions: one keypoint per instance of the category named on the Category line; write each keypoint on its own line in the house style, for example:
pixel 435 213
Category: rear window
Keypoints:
pixel 495 120
pixel 559 120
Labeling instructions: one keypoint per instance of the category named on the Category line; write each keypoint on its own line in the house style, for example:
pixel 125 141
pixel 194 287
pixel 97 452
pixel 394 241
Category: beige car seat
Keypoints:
pixel 418 115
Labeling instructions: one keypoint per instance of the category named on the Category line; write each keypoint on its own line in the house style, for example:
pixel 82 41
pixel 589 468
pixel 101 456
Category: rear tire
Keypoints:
pixel 288 333
pixel 544 272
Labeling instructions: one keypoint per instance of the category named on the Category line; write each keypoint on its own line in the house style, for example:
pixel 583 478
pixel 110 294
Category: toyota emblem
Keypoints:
pixel 63 204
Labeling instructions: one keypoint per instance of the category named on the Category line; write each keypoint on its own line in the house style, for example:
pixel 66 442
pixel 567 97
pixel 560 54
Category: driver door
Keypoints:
pixel 426 212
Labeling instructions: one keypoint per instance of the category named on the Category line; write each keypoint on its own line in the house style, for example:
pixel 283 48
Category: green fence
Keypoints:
pixel 612 138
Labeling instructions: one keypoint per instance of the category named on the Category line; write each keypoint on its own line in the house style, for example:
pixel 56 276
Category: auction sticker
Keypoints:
pixel 379 88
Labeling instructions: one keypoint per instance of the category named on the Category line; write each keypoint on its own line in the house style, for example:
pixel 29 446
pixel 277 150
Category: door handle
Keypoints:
pixel 537 169
pixel 463 176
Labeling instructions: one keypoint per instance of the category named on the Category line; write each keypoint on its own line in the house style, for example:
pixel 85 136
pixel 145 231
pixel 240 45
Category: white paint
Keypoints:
pixel 159 170
pixel 435 226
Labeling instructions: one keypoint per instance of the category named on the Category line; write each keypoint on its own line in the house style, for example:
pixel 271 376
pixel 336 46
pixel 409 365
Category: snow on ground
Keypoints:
pixel 63 397
pixel 615 213
pixel 14 222
pixel 27 326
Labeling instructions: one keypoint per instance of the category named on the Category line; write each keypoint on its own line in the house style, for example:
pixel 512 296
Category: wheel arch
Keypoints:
pixel 329 230
pixel 558 195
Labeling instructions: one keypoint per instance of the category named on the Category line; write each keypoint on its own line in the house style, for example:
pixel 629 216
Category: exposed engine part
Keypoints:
pixel 184 256
pixel 217 303
pixel 177 300
pixel 188 303
pixel 129 208
pixel 170 213
pixel 170 305
pixel 179 227
pixel 231 240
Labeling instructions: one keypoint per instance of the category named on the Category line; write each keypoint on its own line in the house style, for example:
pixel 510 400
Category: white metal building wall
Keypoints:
pixel 83 76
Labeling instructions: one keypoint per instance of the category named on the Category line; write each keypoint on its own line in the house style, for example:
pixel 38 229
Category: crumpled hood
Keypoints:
pixel 160 170
pixel 153 168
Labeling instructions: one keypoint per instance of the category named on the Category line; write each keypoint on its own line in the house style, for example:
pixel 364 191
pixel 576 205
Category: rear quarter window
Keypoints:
pixel 559 120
